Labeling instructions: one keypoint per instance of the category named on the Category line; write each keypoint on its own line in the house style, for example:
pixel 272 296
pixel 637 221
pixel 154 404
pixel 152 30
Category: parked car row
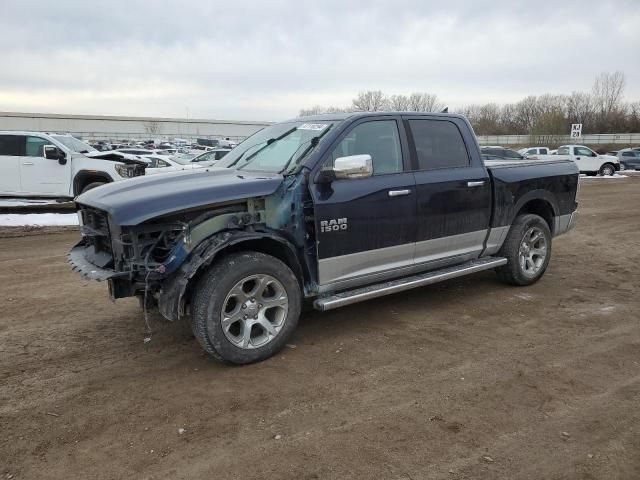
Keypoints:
pixel 37 164
pixel 629 158
pixel 589 162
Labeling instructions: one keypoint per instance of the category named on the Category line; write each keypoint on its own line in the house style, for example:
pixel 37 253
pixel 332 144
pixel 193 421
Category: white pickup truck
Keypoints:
pixel 588 161
pixel 36 164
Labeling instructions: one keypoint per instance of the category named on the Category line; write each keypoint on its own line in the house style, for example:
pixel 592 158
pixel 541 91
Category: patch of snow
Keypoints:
pixel 616 176
pixel 38 219
pixel 28 202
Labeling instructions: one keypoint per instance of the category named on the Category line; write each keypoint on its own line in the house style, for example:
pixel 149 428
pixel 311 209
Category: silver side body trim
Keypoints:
pixel 336 269
pixel 373 291
pixel 495 239
pixel 454 245
pixel 362 265
pixel 564 223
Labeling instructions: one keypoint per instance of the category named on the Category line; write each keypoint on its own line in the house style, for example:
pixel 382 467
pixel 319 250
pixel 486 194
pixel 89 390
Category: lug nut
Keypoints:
pixel 259 305
pixel 244 306
pixel 245 317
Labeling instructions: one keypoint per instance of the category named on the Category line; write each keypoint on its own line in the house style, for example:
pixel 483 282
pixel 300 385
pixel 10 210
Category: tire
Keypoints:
pixel 518 247
pixel 607 170
pixel 91 186
pixel 226 294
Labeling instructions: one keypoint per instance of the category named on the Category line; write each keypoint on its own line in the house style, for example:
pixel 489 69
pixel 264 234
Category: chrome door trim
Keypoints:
pixel 478 183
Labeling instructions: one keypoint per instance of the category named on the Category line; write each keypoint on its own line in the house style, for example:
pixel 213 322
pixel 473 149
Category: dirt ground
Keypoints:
pixel 466 379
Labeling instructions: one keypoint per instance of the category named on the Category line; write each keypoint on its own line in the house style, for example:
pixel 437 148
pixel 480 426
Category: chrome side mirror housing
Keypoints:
pixel 353 166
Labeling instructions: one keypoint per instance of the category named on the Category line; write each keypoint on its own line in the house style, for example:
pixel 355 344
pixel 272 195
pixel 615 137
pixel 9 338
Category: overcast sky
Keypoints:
pixel 264 60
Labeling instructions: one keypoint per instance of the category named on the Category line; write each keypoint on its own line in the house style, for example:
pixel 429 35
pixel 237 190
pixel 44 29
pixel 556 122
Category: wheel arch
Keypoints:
pixel 85 177
pixel 538 204
pixel 177 290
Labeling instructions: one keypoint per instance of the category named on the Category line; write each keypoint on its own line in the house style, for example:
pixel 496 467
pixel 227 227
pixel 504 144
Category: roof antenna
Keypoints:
pixel 445 110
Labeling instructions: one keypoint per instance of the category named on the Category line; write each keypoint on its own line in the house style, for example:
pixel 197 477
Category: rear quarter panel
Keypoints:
pixel 515 185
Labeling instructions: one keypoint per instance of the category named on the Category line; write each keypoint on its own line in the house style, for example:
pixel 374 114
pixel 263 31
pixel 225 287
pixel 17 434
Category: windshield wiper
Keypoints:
pixel 263 146
pixel 313 143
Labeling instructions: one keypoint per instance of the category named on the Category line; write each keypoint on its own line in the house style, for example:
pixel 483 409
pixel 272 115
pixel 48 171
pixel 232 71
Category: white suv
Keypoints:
pixel 36 164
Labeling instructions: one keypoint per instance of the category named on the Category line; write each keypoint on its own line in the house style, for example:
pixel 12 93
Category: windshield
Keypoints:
pixel 74 144
pixel 276 148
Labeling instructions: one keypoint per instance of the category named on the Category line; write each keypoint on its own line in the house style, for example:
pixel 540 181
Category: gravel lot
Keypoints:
pixel 466 379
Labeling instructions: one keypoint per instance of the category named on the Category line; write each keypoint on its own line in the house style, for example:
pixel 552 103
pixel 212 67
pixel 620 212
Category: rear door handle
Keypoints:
pixel 27 163
pixel 479 183
pixel 399 193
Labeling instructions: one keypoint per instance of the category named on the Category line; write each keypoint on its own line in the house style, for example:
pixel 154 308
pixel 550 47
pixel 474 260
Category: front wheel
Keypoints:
pixel 607 170
pixel 246 307
pixel 527 249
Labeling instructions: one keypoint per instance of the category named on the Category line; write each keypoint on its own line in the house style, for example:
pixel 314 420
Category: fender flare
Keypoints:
pixel 173 294
pixel 81 175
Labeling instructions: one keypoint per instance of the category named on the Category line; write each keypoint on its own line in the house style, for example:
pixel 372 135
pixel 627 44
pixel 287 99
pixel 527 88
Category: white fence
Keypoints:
pixel 629 139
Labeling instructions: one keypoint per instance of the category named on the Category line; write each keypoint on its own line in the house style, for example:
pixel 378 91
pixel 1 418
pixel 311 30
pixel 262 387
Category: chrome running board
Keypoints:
pixel 401 284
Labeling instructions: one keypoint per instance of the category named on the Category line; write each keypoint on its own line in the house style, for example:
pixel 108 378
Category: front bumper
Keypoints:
pixel 77 257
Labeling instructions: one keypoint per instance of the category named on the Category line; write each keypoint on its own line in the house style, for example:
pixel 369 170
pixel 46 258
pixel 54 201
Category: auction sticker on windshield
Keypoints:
pixel 313 126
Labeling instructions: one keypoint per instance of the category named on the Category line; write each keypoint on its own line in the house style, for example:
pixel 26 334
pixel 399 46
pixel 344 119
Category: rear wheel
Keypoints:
pixel 246 307
pixel 527 249
pixel 607 170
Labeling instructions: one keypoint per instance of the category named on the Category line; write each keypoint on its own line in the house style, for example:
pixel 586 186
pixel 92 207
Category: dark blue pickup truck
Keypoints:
pixel 333 209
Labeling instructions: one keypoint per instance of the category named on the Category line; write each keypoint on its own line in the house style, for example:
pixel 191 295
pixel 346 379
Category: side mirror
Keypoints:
pixel 51 152
pixel 353 166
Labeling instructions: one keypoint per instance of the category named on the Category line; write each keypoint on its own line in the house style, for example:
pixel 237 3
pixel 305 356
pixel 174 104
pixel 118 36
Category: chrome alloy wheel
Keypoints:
pixel 533 252
pixel 254 311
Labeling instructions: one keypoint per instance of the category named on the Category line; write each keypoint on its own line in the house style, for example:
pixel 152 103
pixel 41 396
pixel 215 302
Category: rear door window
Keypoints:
pixel 12 145
pixel 438 144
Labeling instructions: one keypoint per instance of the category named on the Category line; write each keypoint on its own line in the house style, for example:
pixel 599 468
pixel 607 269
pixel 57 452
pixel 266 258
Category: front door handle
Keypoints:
pixel 27 163
pixel 399 193
pixel 479 183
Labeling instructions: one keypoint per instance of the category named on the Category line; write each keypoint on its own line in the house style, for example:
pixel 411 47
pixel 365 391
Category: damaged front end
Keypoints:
pixel 160 256
pixel 139 257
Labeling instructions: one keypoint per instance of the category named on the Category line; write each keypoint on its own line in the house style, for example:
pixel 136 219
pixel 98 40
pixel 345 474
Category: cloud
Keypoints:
pixel 266 60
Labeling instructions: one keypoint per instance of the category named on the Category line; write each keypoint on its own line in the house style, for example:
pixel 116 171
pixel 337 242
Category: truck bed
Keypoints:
pixel 515 182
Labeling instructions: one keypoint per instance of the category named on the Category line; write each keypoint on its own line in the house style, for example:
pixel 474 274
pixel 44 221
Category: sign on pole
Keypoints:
pixel 576 130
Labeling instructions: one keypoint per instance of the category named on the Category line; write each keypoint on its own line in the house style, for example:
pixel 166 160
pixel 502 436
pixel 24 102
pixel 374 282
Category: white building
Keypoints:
pixel 95 127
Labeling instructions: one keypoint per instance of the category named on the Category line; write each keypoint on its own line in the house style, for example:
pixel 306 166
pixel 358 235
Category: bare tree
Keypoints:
pixel 399 103
pixel 370 101
pixel 424 102
pixel 548 115
pixel 581 108
pixel 608 90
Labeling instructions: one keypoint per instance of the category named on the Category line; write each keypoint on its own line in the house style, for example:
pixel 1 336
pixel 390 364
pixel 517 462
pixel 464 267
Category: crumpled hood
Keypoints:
pixel 115 156
pixel 131 202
